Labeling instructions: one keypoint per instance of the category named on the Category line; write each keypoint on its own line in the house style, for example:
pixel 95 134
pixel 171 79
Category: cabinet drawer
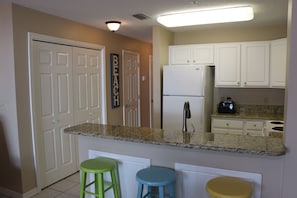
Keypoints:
pixel 254 125
pixel 226 131
pixel 254 133
pixel 229 124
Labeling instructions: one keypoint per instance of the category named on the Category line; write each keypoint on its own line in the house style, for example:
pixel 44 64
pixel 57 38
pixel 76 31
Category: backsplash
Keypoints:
pixel 248 100
pixel 264 109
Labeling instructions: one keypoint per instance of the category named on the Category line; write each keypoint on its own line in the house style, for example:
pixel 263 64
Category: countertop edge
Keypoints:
pixel 71 130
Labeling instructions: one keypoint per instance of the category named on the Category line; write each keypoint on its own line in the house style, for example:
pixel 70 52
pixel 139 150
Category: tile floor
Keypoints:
pixel 67 188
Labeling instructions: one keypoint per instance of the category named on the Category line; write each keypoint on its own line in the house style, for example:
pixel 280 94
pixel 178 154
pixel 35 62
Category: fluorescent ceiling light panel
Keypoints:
pixel 201 17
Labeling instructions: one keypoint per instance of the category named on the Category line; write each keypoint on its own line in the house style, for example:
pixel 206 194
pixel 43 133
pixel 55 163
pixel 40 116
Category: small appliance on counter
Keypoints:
pixel 226 106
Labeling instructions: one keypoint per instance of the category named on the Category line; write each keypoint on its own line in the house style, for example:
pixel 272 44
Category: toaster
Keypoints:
pixel 226 106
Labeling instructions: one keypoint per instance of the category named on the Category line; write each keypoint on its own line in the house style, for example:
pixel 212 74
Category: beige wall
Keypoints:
pixel 10 162
pixel 161 39
pixel 27 20
pixel 290 162
pixel 19 21
pixel 220 35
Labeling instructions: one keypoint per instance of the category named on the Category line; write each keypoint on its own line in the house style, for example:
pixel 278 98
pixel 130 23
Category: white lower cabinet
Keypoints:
pixel 227 126
pixel 191 180
pixel 238 126
pixel 254 128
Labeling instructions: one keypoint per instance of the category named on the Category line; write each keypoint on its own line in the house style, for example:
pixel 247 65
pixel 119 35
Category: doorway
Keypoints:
pixel 131 89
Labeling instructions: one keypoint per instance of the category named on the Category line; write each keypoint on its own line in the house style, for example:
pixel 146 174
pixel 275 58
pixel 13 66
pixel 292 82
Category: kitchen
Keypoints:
pixel 275 167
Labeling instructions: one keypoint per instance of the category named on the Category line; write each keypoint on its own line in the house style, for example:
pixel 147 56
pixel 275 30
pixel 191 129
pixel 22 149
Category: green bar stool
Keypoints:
pixel 229 187
pixel 98 167
pixel 156 176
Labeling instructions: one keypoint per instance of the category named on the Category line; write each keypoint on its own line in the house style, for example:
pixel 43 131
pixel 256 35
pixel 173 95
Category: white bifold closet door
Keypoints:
pixel 66 91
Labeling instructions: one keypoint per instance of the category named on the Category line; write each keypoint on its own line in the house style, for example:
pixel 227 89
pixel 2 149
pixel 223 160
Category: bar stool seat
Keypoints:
pixel 99 166
pixel 156 176
pixel 229 187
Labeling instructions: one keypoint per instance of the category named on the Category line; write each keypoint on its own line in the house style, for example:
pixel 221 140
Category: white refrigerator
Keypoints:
pixel 187 83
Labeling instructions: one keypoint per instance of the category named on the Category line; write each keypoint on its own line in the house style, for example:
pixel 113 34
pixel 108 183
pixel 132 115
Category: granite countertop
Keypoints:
pixel 262 116
pixel 269 146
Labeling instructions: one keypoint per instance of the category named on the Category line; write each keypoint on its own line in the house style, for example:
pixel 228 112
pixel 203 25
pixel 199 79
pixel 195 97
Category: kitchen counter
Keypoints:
pixel 269 146
pixel 263 116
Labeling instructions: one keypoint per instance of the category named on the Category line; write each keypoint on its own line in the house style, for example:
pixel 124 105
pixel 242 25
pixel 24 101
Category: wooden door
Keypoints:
pixel 52 99
pixel 87 85
pixel 131 89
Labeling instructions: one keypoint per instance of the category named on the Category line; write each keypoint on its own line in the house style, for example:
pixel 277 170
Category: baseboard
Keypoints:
pixel 14 194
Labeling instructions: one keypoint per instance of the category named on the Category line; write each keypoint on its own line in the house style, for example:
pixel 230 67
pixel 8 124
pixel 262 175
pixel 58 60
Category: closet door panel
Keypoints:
pixel 87 83
pixel 53 108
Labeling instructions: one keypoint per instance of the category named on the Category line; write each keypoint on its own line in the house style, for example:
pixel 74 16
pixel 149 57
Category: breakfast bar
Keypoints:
pixel 197 157
pixel 259 145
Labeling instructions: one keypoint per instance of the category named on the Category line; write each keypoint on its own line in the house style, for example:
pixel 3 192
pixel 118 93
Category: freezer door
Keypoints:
pixel 173 113
pixel 183 80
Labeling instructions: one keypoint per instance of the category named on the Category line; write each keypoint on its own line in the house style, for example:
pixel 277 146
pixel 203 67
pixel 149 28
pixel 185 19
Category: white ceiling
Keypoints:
pixel 96 12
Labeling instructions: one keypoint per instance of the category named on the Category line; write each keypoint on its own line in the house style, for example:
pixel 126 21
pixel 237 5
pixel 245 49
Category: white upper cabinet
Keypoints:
pixel 278 63
pixel 242 64
pixel 190 54
pixel 255 64
pixel 227 62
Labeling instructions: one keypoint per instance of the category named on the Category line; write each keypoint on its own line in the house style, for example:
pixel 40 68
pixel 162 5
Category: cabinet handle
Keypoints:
pixel 245 83
pixel 227 124
pixel 188 61
pixel 194 61
pixel 238 83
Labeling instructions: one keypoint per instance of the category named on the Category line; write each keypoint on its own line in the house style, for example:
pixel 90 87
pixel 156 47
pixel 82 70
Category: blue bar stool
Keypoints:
pixel 156 176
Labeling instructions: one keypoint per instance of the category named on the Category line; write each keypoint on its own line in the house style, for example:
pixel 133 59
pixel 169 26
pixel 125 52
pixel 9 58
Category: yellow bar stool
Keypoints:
pixel 229 187
pixel 98 167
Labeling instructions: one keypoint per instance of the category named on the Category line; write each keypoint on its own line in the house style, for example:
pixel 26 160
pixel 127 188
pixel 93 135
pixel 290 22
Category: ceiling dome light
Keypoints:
pixel 113 25
pixel 201 17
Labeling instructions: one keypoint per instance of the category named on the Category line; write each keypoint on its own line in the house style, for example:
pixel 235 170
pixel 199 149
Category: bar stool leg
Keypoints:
pixel 114 184
pixel 100 185
pixel 161 191
pixel 171 190
pixel 150 191
pixel 82 185
pixel 139 191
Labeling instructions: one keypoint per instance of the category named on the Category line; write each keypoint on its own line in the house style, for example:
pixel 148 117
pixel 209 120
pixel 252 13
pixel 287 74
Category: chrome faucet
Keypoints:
pixel 186 115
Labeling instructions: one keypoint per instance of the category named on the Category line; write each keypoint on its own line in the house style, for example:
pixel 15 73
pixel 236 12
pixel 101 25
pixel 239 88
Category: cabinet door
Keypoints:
pixel 227 126
pixel 179 55
pixel 254 128
pixel 227 63
pixel 191 54
pixel 255 64
pixel 278 63
pixel 202 54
